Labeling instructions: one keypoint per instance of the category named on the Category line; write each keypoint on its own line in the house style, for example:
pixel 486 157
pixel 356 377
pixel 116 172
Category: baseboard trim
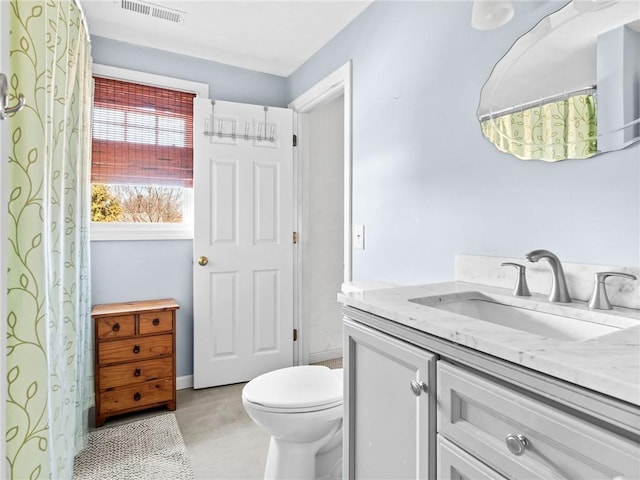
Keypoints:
pixel 184 382
pixel 326 355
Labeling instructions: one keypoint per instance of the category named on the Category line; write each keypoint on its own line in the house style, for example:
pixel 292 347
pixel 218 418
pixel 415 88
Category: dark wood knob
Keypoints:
pixel 137 396
pixel 115 327
pixel 136 372
pixel 156 321
pixel 136 349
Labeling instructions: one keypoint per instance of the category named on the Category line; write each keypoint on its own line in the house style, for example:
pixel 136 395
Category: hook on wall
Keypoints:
pixel 5 109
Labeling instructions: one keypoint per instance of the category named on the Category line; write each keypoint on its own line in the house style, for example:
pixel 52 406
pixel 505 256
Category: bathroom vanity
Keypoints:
pixel 436 391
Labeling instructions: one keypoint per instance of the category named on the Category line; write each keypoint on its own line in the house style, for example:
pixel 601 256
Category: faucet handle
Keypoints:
pixel 521 289
pixel 599 299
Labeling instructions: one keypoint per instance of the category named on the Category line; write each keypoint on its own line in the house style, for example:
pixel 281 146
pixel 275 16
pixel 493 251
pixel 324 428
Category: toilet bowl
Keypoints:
pixel 301 408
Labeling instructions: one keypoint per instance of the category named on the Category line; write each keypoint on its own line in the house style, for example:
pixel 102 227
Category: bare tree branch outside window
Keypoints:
pixel 148 203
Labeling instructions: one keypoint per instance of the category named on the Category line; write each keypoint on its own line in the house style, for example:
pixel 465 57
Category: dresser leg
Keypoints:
pixel 100 421
pixel 171 405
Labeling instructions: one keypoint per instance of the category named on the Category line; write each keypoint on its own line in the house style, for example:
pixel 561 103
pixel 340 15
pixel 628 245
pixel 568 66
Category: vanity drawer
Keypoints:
pixel 135 372
pixel 456 464
pixel 479 415
pixel 155 322
pixel 115 327
pixel 133 349
pixel 136 396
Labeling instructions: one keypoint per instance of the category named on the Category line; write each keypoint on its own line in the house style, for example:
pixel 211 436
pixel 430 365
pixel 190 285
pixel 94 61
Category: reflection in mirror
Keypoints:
pixel 569 88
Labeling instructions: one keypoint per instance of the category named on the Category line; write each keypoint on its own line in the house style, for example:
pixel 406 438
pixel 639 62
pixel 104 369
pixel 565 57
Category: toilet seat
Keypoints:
pixel 296 389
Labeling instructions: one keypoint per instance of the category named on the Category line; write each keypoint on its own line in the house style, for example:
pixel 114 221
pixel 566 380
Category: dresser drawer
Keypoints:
pixel 135 372
pixel 125 398
pixel 133 349
pixel 155 322
pixel 115 327
pixel 480 415
pixel 456 464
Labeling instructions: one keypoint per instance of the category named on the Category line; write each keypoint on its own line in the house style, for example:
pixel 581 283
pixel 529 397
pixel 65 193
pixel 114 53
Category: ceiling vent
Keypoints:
pixel 152 10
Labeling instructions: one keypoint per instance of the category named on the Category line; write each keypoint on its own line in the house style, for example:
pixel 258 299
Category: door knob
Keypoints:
pixel 202 261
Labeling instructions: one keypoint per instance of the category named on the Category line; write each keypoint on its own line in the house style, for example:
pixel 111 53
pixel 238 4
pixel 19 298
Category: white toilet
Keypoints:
pixel 301 408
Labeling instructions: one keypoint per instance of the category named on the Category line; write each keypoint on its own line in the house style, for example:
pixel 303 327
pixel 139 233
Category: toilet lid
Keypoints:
pixel 296 387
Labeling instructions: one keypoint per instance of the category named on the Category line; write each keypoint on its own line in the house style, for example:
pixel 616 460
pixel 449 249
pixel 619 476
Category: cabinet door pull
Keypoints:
pixel 136 349
pixel 418 387
pixel 137 396
pixel 517 444
pixel 115 327
pixel 136 372
pixel 156 322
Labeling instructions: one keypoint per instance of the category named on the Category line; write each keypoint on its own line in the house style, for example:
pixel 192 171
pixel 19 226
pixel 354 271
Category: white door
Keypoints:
pixel 243 248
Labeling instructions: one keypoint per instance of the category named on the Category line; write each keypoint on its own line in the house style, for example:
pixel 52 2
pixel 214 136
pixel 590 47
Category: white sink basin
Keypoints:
pixel 560 326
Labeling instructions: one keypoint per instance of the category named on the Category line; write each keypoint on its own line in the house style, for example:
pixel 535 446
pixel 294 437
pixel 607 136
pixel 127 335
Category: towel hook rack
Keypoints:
pixel 5 109
pixel 261 135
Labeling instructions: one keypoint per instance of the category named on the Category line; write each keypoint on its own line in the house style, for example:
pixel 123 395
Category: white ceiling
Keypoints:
pixel 267 36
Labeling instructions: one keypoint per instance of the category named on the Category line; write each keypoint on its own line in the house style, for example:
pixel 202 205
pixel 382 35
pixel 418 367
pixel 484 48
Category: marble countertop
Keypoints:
pixel 609 364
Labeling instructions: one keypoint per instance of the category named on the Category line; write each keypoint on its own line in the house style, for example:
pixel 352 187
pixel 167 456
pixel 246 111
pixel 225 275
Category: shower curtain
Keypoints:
pixel 550 132
pixel 49 357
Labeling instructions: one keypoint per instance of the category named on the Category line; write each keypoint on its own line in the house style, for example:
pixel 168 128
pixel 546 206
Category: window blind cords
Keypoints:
pixel 142 135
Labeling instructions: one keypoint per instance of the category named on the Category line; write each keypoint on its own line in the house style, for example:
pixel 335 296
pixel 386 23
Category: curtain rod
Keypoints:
pixel 536 103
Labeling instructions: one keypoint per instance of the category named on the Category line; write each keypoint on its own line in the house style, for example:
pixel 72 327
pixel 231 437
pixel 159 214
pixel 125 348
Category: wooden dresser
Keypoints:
pixel 135 361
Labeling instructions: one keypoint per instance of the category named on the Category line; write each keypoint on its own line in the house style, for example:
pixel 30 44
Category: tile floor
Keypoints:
pixel 222 441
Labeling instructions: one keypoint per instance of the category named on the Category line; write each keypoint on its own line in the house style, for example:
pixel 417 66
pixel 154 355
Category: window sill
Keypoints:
pixel 140 231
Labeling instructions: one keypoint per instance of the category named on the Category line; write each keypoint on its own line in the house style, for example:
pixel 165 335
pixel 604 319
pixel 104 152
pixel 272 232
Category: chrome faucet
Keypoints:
pixel 559 291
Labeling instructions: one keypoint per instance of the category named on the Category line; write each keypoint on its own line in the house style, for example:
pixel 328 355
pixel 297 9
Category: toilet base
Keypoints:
pixel 306 461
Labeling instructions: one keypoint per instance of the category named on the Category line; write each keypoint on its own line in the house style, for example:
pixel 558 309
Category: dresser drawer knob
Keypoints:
pixel 115 327
pixel 517 444
pixel 136 372
pixel 136 349
pixel 137 396
pixel 156 322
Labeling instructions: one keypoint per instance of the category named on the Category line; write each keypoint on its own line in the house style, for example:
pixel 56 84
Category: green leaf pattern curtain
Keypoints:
pixel 49 352
pixel 551 132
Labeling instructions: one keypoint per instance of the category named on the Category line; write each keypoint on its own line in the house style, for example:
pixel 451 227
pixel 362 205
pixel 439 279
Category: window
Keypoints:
pixel 142 157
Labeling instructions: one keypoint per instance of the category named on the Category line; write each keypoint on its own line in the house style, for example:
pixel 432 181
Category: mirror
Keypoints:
pixel 570 87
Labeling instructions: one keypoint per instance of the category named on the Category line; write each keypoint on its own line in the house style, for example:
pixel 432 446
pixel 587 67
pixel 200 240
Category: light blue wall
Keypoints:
pixel 144 270
pixel 427 185
pixel 141 270
pixel 225 82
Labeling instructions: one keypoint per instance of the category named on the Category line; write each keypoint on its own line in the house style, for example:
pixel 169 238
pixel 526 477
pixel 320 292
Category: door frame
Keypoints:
pixel 337 83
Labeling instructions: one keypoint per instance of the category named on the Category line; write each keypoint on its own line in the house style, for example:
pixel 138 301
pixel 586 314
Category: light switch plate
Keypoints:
pixel 358 237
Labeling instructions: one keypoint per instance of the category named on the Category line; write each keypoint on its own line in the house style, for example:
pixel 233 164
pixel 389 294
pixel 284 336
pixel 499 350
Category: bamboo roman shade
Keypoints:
pixel 142 135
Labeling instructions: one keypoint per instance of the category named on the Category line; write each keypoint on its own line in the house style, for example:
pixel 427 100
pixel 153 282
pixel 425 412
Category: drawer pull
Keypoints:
pixel 115 327
pixel 156 322
pixel 136 372
pixel 136 349
pixel 137 396
pixel 517 444
pixel 418 387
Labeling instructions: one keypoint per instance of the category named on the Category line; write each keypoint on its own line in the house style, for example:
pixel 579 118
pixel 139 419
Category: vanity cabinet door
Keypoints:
pixel 389 407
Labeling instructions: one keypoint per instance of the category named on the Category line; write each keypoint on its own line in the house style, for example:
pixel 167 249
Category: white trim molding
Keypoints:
pixel 149 231
pixel 332 86
pixel 144 78
pixel 324 356
pixel 184 382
